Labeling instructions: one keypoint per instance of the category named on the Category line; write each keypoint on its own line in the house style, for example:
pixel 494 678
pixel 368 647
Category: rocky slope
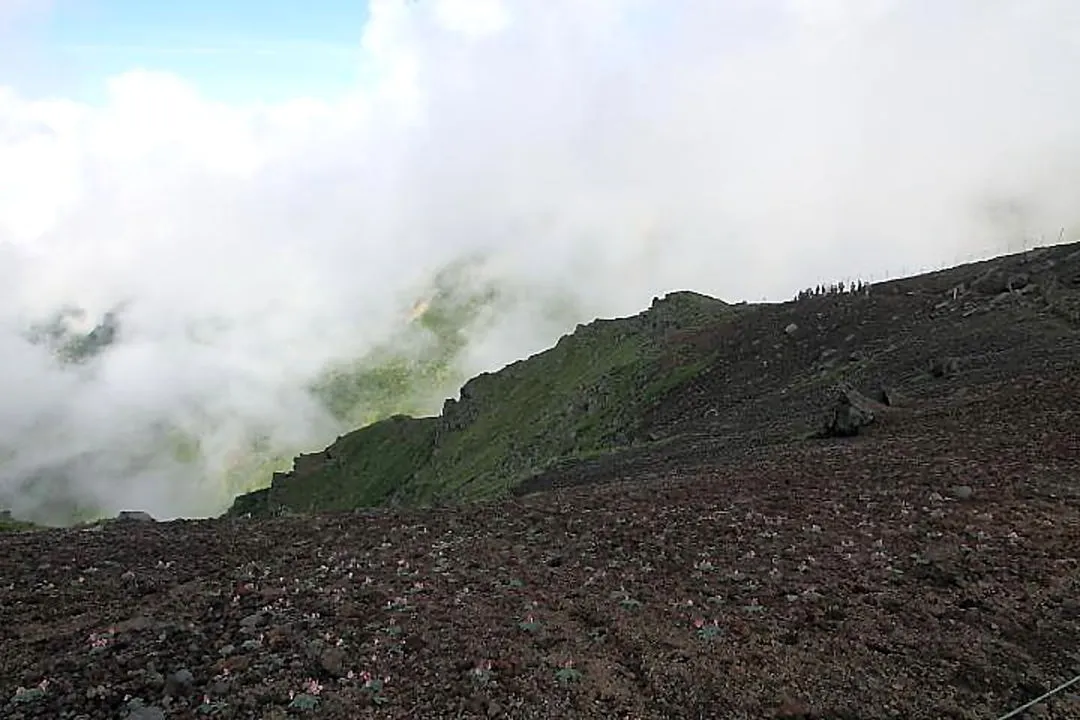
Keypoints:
pixel 929 571
pixel 693 374
pixel 731 560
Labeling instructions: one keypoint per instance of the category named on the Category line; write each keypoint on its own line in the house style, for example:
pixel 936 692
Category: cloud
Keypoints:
pixel 598 153
pixel 475 18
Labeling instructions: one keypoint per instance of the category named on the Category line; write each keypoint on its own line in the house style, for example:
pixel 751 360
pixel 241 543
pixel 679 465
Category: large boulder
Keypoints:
pixel 852 411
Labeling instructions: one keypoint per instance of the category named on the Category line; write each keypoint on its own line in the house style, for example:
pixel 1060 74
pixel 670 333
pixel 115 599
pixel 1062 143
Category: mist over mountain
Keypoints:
pixel 192 291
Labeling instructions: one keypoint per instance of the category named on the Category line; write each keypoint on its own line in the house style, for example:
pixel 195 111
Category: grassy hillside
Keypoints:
pixel 577 399
pixel 693 376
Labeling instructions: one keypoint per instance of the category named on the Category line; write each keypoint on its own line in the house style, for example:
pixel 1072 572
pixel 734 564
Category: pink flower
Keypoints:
pixel 699 623
pixel 100 640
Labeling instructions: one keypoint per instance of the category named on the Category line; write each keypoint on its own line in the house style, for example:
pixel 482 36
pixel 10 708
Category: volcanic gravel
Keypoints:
pixel 928 571
pixel 927 568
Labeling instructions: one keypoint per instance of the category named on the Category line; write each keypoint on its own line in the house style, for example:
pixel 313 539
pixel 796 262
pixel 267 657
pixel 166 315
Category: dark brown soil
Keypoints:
pixel 929 568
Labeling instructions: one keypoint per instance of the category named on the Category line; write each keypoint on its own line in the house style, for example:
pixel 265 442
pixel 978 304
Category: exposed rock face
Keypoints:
pixel 134 516
pixel 853 411
pixel 458 414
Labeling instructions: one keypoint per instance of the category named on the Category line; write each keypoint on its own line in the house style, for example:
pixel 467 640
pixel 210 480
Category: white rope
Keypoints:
pixel 1039 699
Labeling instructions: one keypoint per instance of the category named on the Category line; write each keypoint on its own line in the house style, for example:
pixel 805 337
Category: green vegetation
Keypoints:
pixel 419 366
pixel 70 346
pixel 580 398
pixel 7 524
pixel 361 469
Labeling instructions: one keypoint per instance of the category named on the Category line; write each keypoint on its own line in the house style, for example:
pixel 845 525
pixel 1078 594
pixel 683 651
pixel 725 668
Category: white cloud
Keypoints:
pixel 613 150
pixel 472 17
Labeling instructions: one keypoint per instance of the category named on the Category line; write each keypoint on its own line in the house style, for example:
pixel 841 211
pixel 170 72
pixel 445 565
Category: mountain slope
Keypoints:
pixel 695 377
pixel 744 566
pixel 576 399
pixel 925 571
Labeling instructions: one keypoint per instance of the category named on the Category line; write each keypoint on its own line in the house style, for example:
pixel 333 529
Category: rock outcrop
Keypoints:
pixel 852 412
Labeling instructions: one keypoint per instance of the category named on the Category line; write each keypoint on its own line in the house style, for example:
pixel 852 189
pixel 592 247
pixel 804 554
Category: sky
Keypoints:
pixel 289 174
pixel 236 51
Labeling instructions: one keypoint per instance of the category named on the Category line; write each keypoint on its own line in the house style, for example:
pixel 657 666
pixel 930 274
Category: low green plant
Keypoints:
pixel 30 695
pixel 304 701
pixel 373 686
pixel 568 673
pixel 482 673
pixel 211 707
pixel 707 631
